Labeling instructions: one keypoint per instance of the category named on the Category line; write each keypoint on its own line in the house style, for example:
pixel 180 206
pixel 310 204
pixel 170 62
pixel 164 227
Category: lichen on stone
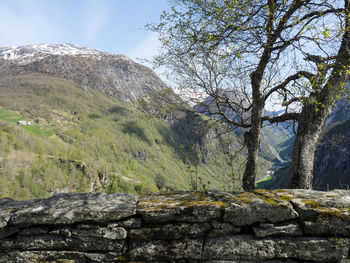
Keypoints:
pixel 326 212
pixel 185 200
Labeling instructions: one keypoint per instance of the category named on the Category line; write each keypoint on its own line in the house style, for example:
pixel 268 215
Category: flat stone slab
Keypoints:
pixel 322 213
pixel 240 208
pixel 170 232
pixel 55 256
pixel 68 209
pixel 166 250
pixel 255 261
pixel 248 247
pixel 311 204
pixel 8 206
pixel 283 229
pixel 331 227
pixel 246 208
pixel 179 207
pixel 238 247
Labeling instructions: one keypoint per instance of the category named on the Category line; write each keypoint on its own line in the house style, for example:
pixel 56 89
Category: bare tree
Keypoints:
pixel 244 54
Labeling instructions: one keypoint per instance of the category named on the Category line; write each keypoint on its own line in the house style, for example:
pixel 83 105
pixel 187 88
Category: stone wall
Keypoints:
pixel 263 226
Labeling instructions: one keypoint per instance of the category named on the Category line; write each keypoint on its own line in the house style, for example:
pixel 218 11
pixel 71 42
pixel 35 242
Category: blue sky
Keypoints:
pixel 107 25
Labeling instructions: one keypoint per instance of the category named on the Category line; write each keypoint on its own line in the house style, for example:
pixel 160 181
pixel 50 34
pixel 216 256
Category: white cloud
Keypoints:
pixel 146 49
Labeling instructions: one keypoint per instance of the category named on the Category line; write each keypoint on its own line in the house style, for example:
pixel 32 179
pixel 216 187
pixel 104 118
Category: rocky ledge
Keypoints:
pixel 217 227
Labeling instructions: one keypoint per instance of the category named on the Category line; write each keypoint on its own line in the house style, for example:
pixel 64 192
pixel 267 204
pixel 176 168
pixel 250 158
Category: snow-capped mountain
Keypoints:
pixel 115 74
pixel 35 52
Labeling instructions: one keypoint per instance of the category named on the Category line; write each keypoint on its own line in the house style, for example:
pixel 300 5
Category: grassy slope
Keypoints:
pixel 279 180
pixel 83 133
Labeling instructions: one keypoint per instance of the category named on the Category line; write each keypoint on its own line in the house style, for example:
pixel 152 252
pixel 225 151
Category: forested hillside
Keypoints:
pixel 82 140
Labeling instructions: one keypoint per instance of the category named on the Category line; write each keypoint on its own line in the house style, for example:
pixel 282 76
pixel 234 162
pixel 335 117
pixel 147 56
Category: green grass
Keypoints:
pixel 258 184
pixel 264 184
pixel 14 117
pixel 37 130
pixel 10 116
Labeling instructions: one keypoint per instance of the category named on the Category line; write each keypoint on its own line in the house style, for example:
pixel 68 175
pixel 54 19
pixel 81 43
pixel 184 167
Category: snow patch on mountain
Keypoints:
pixel 30 53
pixel 191 96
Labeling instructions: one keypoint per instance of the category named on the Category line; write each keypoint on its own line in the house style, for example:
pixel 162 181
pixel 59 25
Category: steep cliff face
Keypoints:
pixel 115 75
pixel 332 159
pixel 294 226
pixel 341 112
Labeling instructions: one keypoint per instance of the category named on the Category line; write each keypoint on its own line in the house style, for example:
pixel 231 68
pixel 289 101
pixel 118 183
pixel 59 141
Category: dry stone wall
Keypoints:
pixel 214 227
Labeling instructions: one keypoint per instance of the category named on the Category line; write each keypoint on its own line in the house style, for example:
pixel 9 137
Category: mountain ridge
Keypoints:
pixel 115 75
pixel 37 52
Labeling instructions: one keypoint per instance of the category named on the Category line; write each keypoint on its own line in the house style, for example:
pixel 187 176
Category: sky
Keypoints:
pixel 115 26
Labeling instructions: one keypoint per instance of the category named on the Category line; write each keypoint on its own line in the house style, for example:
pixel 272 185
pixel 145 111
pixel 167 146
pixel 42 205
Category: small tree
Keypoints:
pixel 243 54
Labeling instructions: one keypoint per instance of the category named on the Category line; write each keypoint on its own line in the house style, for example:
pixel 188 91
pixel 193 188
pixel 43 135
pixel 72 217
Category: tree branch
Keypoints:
pixel 296 76
pixel 281 118
pixel 287 103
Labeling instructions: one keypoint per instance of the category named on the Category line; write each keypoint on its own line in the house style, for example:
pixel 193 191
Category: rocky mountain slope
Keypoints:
pixel 115 75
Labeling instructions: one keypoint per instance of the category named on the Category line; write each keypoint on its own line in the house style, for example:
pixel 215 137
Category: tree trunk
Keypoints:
pixel 311 123
pixel 252 138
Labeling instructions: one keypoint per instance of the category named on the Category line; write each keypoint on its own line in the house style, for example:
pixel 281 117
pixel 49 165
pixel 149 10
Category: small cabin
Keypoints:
pixel 24 123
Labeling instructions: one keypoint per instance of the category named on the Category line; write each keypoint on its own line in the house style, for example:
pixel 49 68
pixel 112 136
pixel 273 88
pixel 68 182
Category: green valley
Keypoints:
pixel 82 140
